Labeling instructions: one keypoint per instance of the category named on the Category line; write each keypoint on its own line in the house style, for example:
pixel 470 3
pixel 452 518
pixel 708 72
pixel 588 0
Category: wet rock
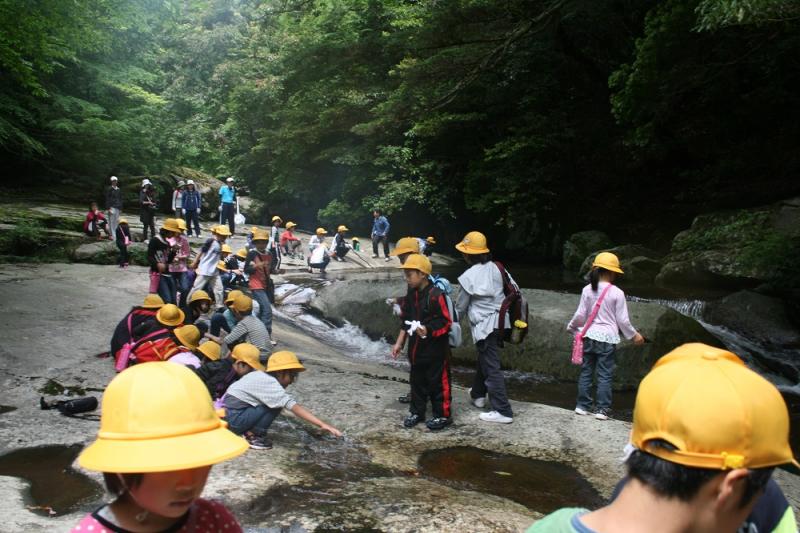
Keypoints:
pixel 756 316
pixel 581 244
pixel 105 252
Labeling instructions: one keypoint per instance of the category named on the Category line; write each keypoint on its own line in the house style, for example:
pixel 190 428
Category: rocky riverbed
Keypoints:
pixel 59 317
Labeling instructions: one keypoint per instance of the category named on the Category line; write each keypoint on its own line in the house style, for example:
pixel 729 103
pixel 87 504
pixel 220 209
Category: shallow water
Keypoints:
pixel 6 409
pixel 55 488
pixel 543 486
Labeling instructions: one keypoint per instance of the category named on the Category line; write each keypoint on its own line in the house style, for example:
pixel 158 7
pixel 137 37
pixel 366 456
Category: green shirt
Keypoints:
pixel 560 521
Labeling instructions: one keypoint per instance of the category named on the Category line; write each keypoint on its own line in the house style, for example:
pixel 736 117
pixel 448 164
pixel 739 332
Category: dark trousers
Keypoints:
pixel 599 355
pixel 123 253
pixel 256 419
pixel 148 218
pixel 264 308
pixel 376 240
pixel 228 213
pixel 322 265
pixel 430 379
pixel 218 323
pixel 341 251
pixel 166 288
pixel 191 217
pixel 183 284
pixel 276 259
pixel 489 378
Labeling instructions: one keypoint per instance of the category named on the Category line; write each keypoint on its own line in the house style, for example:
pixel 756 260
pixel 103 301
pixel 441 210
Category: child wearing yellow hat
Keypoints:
pixel 133 321
pixel 274 243
pixel 122 238
pixel 290 244
pixel 205 264
pixel 340 245
pixel 248 328
pixel 217 373
pixel 254 401
pixel 178 268
pixel 160 254
pixel 258 266
pixel 319 256
pixel 156 461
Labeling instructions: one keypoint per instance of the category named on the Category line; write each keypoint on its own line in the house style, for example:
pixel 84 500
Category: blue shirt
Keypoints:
pixel 380 226
pixel 227 194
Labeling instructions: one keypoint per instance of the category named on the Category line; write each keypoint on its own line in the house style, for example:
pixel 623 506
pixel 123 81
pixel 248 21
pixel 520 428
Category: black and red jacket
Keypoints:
pixel 429 307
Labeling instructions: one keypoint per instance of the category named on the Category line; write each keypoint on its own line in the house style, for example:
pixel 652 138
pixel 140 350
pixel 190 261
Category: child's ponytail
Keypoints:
pixel 594 277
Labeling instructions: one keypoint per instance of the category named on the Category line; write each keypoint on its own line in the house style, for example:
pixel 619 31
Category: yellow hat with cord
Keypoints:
pixel 226 248
pixel 232 296
pixel 221 230
pixel 189 336
pixel 171 224
pixel 248 353
pixel 261 235
pixel 199 295
pixel 242 304
pixel 406 245
pixel 608 261
pixel 473 243
pixel 221 266
pixel 170 315
pixel 210 349
pixel 138 435
pixel 284 361
pixel 241 253
pixel 417 262
pixel 153 301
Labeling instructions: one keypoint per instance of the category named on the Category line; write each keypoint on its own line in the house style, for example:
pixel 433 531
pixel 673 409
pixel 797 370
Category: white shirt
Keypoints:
pixel 480 298
pixel 313 242
pixel 318 253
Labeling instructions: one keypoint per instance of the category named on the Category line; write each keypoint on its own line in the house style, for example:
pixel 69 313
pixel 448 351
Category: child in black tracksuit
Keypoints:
pixel 426 322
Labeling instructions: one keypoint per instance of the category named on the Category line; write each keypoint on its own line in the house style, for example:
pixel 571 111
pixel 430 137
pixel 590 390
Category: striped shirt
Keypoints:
pixel 252 330
pixel 259 388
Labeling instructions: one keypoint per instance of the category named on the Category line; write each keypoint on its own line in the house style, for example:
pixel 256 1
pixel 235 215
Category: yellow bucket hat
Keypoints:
pixel 250 354
pixel 261 235
pixel 171 224
pixel 226 248
pixel 718 413
pixel 221 266
pixel 199 295
pixel 123 221
pixel 153 301
pixel 181 224
pixel 406 245
pixel 473 243
pixel 608 261
pixel 232 296
pixel 189 336
pixel 418 262
pixel 138 435
pixel 170 315
pixel 222 230
pixel 241 253
pixel 284 361
pixel 243 303
pixel 210 349
pixel 277 218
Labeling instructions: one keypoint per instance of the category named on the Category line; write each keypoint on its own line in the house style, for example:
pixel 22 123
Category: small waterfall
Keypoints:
pixel 691 308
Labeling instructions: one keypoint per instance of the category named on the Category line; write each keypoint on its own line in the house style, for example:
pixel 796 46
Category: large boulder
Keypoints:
pixel 638 262
pixel 756 316
pixel 547 347
pixel 581 244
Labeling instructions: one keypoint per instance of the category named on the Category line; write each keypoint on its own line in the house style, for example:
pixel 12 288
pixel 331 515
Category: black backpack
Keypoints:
pixel 515 305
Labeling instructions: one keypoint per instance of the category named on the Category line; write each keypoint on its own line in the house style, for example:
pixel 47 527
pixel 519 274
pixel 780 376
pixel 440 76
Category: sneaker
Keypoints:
pixel 412 420
pixel 274 343
pixel 480 403
pixel 374 256
pixel 388 259
pixel 582 412
pixel 494 416
pixel 406 398
pixel 435 424
pixel 602 414
pixel 260 443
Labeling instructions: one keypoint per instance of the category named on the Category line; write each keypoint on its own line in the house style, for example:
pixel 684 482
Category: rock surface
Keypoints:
pixel 638 262
pixel 581 244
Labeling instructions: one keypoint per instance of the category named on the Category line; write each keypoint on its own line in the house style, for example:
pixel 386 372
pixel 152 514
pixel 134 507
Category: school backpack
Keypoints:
pixel 514 304
pixel 454 335
pixel 142 350
pixel 155 350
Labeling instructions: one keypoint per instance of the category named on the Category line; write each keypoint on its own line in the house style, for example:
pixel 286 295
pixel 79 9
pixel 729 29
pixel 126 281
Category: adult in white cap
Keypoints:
pixel 192 202
pixel 227 196
pixel 177 199
pixel 113 204
pixel 147 208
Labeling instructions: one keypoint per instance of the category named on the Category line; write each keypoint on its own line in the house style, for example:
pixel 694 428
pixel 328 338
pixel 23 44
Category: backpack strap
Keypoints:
pixel 511 292
pixel 148 337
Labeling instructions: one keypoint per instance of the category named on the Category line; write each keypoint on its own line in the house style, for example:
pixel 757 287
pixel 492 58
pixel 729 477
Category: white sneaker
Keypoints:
pixel 602 414
pixel 583 412
pixel 494 416
pixel 480 403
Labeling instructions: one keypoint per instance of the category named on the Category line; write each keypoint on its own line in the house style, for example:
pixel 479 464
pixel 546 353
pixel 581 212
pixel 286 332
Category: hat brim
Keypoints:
pixel 224 232
pixel 186 342
pixel 401 251
pixel 471 251
pixel 290 366
pixel 211 356
pixel 163 455
pixel 612 268
pixel 792 468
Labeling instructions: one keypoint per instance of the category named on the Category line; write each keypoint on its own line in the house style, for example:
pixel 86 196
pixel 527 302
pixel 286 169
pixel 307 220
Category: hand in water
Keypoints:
pixel 638 339
pixel 332 430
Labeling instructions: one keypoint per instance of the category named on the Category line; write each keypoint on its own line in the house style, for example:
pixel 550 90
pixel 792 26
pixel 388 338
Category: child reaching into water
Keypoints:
pixel 156 461
pixel 605 303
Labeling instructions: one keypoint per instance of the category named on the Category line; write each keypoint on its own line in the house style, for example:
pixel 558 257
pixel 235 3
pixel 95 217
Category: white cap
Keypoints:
pixel 181 183
pixel 113 178
pixel 146 182
pixel 229 179
pixel 190 182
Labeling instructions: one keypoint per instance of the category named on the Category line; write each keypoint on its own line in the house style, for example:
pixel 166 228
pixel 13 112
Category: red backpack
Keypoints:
pixel 515 305
pixel 131 352
pixel 155 350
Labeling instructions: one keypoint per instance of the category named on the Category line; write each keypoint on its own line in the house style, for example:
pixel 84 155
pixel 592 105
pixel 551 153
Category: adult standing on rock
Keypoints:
pixel 380 232
pixel 147 206
pixel 192 202
pixel 227 195
pixel 113 204
pixel 177 199
pixel 480 299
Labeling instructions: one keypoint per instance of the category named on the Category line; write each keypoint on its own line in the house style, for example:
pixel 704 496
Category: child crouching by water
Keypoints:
pixel 254 401
pixel 156 461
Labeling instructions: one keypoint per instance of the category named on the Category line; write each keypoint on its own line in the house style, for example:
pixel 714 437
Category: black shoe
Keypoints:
pixel 260 443
pixel 412 420
pixel 435 424
pixel 406 398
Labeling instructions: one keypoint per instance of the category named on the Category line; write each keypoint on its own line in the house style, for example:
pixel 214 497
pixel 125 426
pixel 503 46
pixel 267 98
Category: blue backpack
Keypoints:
pixel 454 336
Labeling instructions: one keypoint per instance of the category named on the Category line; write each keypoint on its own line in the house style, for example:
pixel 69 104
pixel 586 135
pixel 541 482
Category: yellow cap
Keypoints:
pixel 406 245
pixel 123 221
pixel 221 266
pixel 342 228
pixel 417 262
pixel 248 353
pixel 138 434
pixel 210 349
pixel 430 240
pixel 171 224
pixel 226 248
pixel 241 253
pixel 284 361
pixel 221 230
pixel 199 295
pixel 290 225
pixel 473 242
pixel 261 235
pixel 153 301
pixel 718 413
pixel 276 218
pixel 321 231
pixel 232 296
pixel 608 261
pixel 355 239
pixel 170 315
pixel 243 303
pixel 189 336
